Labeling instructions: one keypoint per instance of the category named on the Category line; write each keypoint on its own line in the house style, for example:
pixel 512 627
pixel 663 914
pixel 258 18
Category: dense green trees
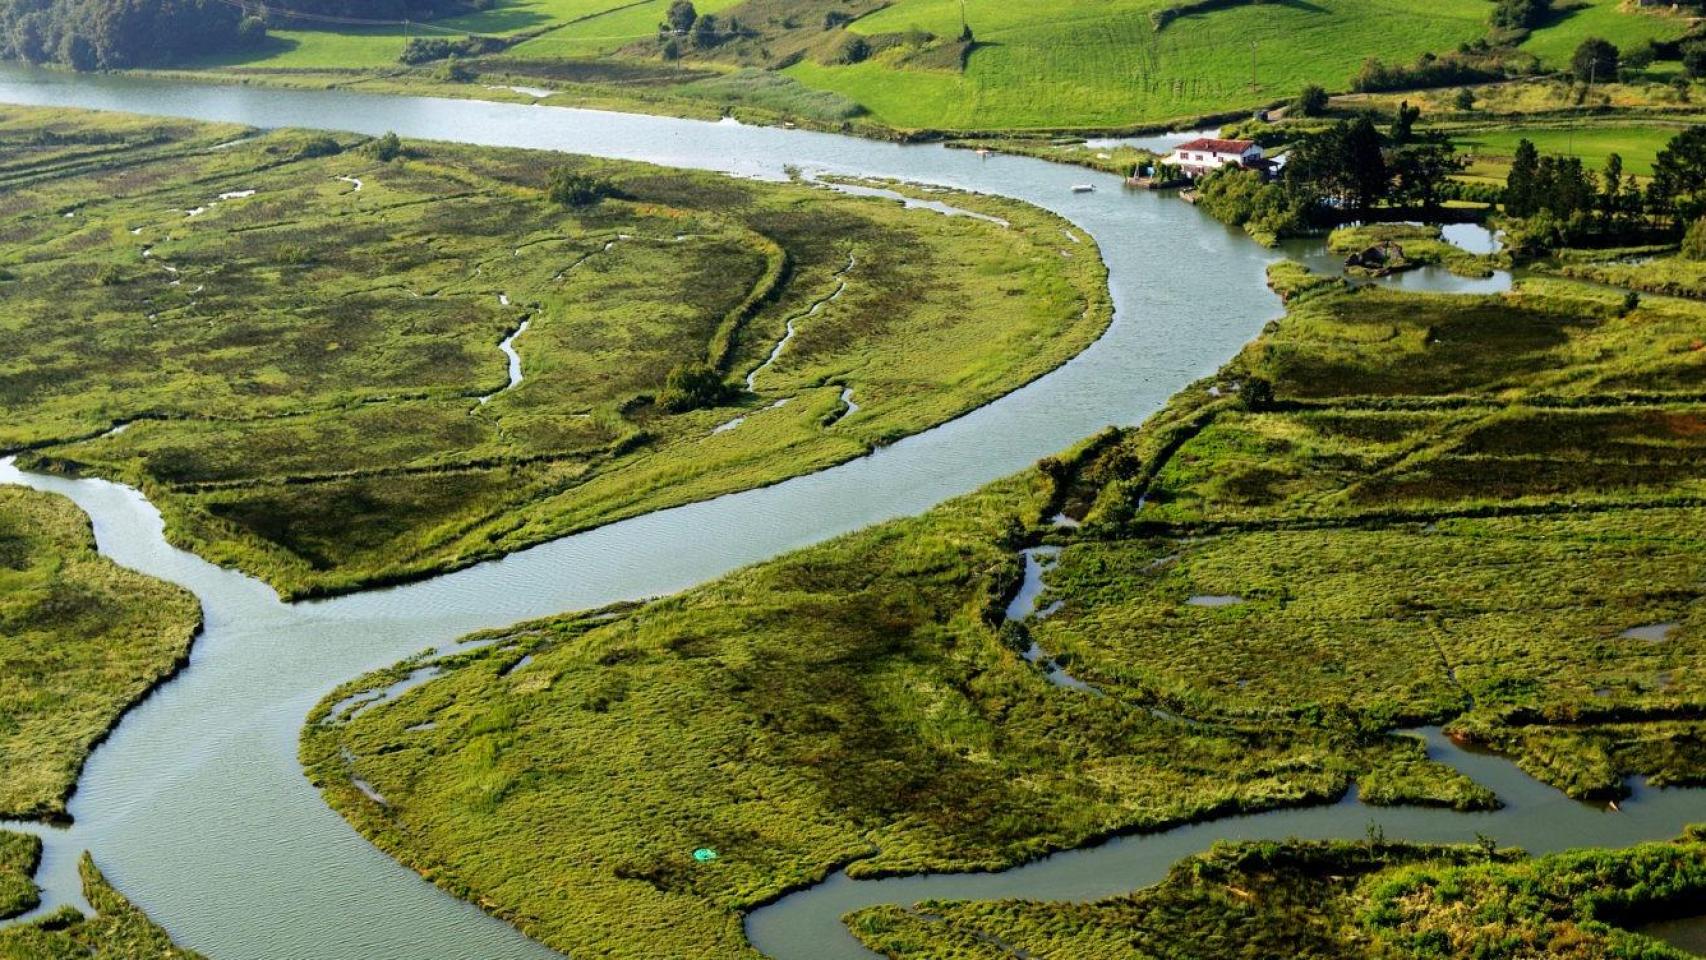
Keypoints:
pixel 104 34
pixel 1679 176
pixel 1595 60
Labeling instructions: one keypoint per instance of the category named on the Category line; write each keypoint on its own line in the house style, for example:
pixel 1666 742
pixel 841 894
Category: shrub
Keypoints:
pixel 320 146
pixel 691 387
pixel 1311 102
pixel 1465 99
pixel 571 188
pixel 855 49
pixel 455 71
pixel 1694 241
pixel 385 148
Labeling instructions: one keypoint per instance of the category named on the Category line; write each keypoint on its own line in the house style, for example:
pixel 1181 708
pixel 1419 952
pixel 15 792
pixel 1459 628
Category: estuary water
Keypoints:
pixel 196 807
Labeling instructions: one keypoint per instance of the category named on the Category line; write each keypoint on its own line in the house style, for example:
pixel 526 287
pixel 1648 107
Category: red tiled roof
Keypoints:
pixel 1212 145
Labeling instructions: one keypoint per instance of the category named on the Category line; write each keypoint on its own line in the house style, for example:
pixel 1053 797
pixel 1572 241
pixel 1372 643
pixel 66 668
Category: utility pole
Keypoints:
pixel 1254 83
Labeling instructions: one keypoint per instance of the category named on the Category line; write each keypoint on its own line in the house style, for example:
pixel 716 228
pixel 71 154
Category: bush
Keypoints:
pixel 691 387
pixel 455 71
pixel 1311 102
pixel 1694 241
pixel 320 146
pixel 573 189
pixel 855 49
pixel 385 148
pixel 1465 99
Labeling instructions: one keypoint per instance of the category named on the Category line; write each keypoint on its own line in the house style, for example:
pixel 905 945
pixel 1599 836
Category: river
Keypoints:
pixel 196 807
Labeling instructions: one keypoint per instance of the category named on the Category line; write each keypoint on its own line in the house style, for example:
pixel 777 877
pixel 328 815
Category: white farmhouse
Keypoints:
pixel 1197 157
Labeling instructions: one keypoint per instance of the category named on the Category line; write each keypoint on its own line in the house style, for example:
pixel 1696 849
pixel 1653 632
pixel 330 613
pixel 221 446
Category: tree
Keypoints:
pixel 78 52
pixel 1595 60
pixel 1694 59
pixel 1465 99
pixel 1679 176
pixel 251 32
pixel 570 188
pixel 1421 170
pixel 672 49
pixel 1520 197
pixel 681 16
pixel 705 35
pixel 1404 125
pixel 1365 164
pixel 1311 101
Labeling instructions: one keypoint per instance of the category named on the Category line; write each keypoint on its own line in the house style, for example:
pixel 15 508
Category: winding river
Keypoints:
pixel 196 807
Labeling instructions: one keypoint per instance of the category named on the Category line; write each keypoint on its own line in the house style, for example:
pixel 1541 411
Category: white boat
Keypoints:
pixel 1083 188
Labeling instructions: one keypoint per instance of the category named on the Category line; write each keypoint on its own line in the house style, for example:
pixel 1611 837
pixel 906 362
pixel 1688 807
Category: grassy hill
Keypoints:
pixel 1059 64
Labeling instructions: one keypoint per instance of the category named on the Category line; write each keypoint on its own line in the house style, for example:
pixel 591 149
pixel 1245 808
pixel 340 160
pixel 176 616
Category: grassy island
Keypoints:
pixel 85 639
pixel 304 348
pixel 1390 509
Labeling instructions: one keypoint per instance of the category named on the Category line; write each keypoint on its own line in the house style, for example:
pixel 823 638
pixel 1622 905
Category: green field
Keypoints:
pixel 1329 901
pixel 116 930
pixel 1090 63
pixel 1638 145
pixel 1556 40
pixel 1413 508
pixel 85 639
pixel 302 46
pixel 327 420
pixel 1064 64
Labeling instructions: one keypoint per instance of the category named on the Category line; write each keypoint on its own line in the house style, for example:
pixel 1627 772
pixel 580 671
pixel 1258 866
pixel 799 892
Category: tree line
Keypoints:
pixel 116 34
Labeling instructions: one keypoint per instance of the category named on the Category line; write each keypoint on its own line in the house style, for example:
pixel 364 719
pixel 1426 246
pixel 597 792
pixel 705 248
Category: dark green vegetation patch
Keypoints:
pixel 305 338
pixel 1329 901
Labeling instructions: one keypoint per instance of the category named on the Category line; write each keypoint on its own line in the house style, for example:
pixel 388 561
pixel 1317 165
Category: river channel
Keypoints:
pixel 196 807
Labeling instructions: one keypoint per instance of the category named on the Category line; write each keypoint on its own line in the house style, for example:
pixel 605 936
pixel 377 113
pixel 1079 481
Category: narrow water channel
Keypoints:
pixel 196 807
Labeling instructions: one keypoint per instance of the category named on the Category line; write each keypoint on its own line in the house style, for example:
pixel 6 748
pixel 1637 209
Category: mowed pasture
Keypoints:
pixel 1090 63
pixel 1391 509
pixel 306 342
